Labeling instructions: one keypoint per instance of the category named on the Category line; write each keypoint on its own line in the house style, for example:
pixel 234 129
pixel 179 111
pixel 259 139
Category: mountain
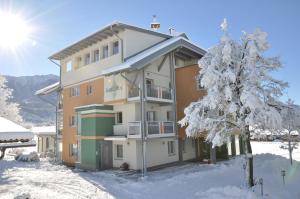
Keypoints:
pixel 33 108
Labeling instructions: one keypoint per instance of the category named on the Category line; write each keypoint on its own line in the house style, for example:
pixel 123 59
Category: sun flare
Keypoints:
pixel 14 30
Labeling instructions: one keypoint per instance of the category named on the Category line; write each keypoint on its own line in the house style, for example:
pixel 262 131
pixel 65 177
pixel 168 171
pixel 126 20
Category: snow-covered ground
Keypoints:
pixel 224 180
pixel 274 148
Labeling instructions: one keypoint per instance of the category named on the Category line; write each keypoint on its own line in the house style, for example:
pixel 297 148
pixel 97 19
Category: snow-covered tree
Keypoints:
pixel 291 127
pixel 9 110
pixel 240 92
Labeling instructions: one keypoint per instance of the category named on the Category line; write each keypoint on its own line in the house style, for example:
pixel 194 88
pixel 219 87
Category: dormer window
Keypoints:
pixel 87 59
pixel 96 55
pixel 105 52
pixel 115 49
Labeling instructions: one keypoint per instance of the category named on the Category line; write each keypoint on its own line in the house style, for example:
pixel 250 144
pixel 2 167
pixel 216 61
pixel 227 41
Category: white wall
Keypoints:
pixel 157 153
pixel 128 114
pixel 129 154
pixel 115 88
pixel 190 151
pixel 135 41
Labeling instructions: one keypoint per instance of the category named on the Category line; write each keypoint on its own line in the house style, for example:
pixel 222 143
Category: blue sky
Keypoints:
pixel 59 23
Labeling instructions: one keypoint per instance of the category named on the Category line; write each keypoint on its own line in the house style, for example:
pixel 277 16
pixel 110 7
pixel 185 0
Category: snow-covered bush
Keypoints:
pixel 9 110
pixel 31 157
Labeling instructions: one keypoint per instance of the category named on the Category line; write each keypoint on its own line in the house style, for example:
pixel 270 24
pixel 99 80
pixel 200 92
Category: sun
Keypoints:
pixel 14 30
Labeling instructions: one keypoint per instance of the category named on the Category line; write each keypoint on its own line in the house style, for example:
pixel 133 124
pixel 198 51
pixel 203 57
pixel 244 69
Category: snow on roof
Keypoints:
pixel 148 55
pixel 49 89
pixel 12 131
pixel 44 130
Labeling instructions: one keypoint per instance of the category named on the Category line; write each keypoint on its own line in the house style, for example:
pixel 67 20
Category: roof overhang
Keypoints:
pixel 180 45
pixel 47 90
pixel 102 34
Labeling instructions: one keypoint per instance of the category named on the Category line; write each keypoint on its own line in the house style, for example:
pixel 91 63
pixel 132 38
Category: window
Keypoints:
pixel 150 115
pixel 105 52
pixel 74 91
pixel 171 148
pixel 89 90
pixel 96 55
pixel 73 150
pixel 72 121
pixel 115 48
pixel 119 151
pixel 87 59
pixel 199 86
pixel 69 66
pixel 119 118
pixel 79 61
pixel 47 143
pixel 170 116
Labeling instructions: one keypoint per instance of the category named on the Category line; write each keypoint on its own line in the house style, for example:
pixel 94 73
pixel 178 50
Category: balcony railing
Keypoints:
pixel 156 93
pixel 134 128
pixel 153 128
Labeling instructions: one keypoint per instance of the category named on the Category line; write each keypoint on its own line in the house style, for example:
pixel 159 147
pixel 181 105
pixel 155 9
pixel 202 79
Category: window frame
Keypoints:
pixel 105 48
pixel 89 90
pixel 118 119
pixel 115 49
pixel 72 121
pixel 75 91
pixel 96 56
pixel 170 116
pixel 87 58
pixel 117 154
pixel 171 148
pixel 198 83
pixel 73 150
pixel 148 116
pixel 69 66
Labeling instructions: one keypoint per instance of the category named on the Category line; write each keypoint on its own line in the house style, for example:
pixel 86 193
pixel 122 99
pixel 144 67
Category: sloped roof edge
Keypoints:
pixel 140 60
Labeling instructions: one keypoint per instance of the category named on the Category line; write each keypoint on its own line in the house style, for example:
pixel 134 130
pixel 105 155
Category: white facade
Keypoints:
pixel 156 152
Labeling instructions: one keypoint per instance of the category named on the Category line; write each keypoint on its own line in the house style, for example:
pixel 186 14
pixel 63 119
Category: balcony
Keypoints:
pixel 153 94
pixel 153 129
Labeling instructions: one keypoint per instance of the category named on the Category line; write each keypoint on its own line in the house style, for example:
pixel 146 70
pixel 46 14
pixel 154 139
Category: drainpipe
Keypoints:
pixel 174 108
pixel 56 111
pixel 143 124
pixel 122 44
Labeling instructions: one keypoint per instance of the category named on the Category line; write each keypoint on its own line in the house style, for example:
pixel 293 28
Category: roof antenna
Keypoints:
pixel 154 25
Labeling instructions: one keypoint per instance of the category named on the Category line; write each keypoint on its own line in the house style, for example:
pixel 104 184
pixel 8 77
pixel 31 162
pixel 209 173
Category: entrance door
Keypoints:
pixel 105 159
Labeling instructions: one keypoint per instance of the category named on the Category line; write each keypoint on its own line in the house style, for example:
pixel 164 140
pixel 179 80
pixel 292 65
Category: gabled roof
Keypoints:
pixel 103 33
pixel 47 90
pixel 141 59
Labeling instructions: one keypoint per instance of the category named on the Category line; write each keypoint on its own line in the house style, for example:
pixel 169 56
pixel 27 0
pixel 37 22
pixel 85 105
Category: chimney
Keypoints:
pixel 155 25
pixel 172 31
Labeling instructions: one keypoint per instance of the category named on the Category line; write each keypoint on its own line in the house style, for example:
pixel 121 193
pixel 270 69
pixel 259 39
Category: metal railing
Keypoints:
pixel 152 128
pixel 134 128
pixel 152 91
pixel 168 127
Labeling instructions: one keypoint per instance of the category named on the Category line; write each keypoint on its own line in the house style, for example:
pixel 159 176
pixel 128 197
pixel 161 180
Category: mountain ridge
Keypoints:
pixel 32 108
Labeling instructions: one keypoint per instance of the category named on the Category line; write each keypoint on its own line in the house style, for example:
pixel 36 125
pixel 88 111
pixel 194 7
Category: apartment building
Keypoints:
pixel 122 90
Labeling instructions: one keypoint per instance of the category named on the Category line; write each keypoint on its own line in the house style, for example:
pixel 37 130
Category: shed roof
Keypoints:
pixel 12 131
pixel 47 90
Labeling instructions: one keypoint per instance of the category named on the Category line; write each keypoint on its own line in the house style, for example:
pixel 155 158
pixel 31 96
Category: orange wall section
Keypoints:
pixel 69 103
pixel 186 91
